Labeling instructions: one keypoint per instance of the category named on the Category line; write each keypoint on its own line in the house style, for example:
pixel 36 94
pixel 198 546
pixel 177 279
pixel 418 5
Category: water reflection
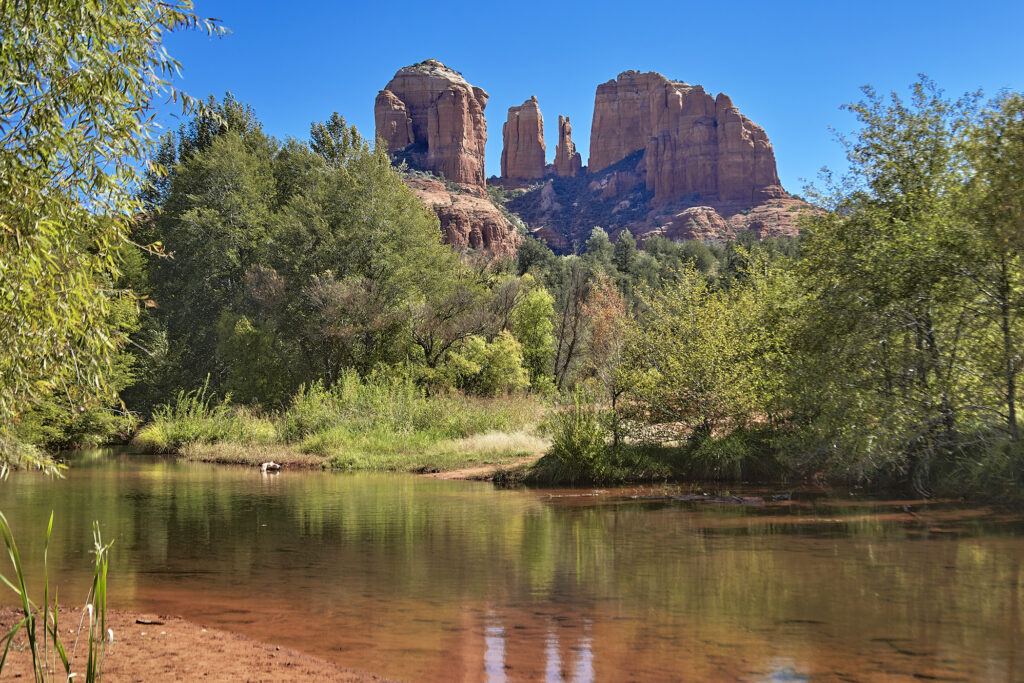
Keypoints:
pixel 552 658
pixel 494 656
pixel 433 580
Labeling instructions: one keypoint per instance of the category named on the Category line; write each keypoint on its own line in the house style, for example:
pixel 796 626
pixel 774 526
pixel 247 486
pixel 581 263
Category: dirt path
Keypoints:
pixel 483 472
pixel 179 650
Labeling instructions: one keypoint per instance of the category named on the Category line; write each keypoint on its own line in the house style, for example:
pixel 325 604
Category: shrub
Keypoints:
pixel 313 409
pixel 742 454
pixel 578 444
pixel 991 470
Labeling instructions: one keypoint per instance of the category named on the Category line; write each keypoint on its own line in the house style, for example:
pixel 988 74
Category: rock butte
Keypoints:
pixel 430 116
pixel 694 144
pixel 523 148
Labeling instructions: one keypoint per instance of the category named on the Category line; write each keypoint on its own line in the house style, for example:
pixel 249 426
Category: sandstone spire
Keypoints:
pixel 568 161
pixel 430 116
pixel 523 149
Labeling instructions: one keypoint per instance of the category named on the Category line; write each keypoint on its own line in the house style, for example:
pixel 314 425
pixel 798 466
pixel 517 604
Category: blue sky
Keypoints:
pixel 787 65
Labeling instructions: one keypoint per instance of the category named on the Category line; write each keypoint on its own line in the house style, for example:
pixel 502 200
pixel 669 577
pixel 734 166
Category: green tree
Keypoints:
pixel 313 256
pixel 625 252
pixel 215 226
pixel 883 378
pixel 695 360
pixel 600 252
pixel 609 324
pixel 995 247
pixel 80 82
pixel 533 325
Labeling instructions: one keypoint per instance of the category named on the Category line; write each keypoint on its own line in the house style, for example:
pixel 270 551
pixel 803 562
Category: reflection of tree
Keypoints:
pixel 653 579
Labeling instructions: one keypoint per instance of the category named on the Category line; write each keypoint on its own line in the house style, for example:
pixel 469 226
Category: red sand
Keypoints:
pixel 178 650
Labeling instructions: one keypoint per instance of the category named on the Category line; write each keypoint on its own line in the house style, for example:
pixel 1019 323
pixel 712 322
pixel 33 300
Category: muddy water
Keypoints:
pixel 435 580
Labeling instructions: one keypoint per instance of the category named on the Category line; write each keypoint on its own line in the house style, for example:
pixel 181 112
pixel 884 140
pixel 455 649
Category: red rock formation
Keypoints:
pixel 523 149
pixel 445 130
pixel 392 118
pixel 622 118
pixel 694 145
pixel 468 217
pixel 568 162
pixel 745 157
pixel 696 223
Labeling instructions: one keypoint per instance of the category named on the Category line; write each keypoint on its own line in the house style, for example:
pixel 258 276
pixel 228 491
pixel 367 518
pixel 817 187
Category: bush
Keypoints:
pixel 578 445
pixel 742 454
pixel 721 458
pixel 992 470
pixel 53 426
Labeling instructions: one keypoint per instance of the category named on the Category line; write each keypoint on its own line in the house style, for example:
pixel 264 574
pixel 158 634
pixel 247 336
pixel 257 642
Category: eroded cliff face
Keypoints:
pixel 468 217
pixel 523 148
pixel 430 116
pixel 568 162
pixel 694 145
pixel 622 118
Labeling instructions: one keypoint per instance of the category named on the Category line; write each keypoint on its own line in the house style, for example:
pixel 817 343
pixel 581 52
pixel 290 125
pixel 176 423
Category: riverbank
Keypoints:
pixel 475 457
pixel 149 648
pixel 355 425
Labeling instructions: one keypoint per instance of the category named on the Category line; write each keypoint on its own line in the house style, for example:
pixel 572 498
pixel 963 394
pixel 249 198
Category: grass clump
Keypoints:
pixel 498 444
pixel 194 418
pixel 579 450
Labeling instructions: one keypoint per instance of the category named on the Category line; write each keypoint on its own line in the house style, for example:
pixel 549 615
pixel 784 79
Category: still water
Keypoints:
pixel 422 579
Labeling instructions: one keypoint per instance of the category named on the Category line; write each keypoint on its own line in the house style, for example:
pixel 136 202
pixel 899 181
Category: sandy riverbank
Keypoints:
pixel 179 650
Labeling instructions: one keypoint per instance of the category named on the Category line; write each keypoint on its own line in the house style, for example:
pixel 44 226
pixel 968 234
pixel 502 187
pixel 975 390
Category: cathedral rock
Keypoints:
pixel 431 117
pixel 666 158
pixel 523 148
pixel 694 145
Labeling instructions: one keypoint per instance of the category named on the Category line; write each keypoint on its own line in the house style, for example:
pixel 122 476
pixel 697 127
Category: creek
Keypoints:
pixel 423 579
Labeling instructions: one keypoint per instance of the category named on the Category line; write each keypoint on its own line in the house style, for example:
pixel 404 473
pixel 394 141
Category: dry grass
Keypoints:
pixel 497 444
pixel 250 454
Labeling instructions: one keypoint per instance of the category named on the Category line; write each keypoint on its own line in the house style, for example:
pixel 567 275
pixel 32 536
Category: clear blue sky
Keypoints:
pixel 786 65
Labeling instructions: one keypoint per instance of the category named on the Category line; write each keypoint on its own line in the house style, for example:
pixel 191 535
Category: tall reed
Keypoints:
pixel 46 651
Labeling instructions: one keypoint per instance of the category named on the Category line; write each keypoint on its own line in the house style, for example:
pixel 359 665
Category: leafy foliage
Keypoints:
pixel 77 119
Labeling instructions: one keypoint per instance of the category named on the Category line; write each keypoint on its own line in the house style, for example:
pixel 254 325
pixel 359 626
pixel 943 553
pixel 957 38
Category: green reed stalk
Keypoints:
pixel 46 653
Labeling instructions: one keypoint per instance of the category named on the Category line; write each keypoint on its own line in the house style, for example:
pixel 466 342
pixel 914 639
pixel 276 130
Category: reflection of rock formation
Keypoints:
pixel 522 153
pixel 559 656
pixel 429 115
pixel 694 145
pixel 568 161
